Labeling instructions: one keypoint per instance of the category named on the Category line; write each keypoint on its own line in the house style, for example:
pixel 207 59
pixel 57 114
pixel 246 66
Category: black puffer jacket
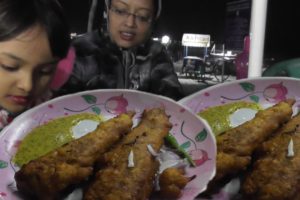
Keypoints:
pixel 100 64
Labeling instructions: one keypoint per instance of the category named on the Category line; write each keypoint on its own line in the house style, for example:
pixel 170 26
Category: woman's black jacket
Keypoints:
pixel 99 64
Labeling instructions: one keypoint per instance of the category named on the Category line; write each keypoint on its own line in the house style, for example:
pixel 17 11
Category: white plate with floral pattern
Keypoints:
pixel 192 133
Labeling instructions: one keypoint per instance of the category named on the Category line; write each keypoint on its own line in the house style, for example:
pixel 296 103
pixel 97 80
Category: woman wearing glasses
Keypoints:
pixel 122 54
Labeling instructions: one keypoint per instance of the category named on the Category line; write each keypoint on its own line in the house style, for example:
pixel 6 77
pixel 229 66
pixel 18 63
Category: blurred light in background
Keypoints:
pixel 165 39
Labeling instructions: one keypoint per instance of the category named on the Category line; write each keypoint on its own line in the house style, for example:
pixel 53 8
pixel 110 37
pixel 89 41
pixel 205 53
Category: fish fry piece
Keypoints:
pixel 120 181
pixel 275 174
pixel 47 176
pixel 236 145
pixel 228 163
pixel 171 183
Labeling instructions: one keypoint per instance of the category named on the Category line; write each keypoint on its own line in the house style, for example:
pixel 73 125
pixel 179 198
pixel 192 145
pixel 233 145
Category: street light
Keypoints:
pixel 165 40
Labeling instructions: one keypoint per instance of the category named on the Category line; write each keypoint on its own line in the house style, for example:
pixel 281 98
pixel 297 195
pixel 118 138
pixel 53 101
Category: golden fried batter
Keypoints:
pixel 227 162
pixel 118 181
pixel 171 183
pixel 236 145
pixel 276 176
pixel 72 163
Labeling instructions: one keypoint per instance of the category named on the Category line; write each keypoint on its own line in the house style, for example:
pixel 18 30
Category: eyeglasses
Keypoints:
pixel 125 14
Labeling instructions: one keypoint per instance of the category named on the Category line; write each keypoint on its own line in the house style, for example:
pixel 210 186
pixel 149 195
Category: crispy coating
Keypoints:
pixel 275 176
pixel 171 183
pixel 117 181
pixel 72 163
pixel 227 163
pixel 236 145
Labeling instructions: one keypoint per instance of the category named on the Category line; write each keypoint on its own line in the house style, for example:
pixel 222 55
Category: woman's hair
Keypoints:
pixel 16 16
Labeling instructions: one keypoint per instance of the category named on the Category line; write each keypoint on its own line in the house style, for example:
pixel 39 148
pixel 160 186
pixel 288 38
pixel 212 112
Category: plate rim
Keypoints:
pixel 59 98
pixel 184 100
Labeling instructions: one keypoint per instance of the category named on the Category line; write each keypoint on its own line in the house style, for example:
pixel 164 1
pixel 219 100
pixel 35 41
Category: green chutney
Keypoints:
pixel 49 136
pixel 218 116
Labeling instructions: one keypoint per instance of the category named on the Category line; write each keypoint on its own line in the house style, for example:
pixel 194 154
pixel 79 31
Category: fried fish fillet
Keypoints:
pixel 236 145
pixel 276 175
pixel 72 163
pixel 171 182
pixel 119 181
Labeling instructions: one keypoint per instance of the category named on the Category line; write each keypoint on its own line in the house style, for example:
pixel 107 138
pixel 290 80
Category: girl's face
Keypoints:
pixel 26 68
pixel 130 21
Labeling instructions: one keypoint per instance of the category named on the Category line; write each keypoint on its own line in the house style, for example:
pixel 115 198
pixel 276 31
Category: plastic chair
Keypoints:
pixel 289 68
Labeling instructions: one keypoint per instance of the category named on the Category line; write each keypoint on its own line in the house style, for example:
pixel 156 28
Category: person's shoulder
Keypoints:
pixel 155 51
pixel 85 37
pixel 155 47
pixel 87 42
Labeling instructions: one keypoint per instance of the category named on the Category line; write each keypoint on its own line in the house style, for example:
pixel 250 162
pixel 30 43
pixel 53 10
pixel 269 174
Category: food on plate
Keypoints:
pixel 172 142
pixel 275 174
pixel 130 167
pixel 171 182
pixel 218 116
pixel 46 177
pixel 227 163
pixel 236 145
pixel 50 136
pixel 147 161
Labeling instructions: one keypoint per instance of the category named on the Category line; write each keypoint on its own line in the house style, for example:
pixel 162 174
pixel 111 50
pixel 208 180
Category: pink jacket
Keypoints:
pixel 64 70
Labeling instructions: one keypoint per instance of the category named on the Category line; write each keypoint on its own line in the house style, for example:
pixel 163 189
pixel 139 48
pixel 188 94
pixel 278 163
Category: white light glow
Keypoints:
pixel 165 39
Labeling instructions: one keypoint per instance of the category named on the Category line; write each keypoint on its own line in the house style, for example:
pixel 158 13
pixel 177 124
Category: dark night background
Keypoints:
pixel 208 17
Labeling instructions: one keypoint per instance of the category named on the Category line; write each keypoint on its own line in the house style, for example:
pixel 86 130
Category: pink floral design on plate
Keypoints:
pixel 275 92
pixel 116 104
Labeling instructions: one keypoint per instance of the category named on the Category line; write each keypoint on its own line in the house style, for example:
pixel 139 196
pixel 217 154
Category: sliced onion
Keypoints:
pixel 151 150
pixel 291 149
pixel 130 159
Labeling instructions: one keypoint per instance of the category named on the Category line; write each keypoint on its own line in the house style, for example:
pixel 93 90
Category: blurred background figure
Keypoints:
pixel 242 60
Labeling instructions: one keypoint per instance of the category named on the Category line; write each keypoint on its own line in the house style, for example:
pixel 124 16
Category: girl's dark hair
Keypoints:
pixel 16 16
pixel 155 5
